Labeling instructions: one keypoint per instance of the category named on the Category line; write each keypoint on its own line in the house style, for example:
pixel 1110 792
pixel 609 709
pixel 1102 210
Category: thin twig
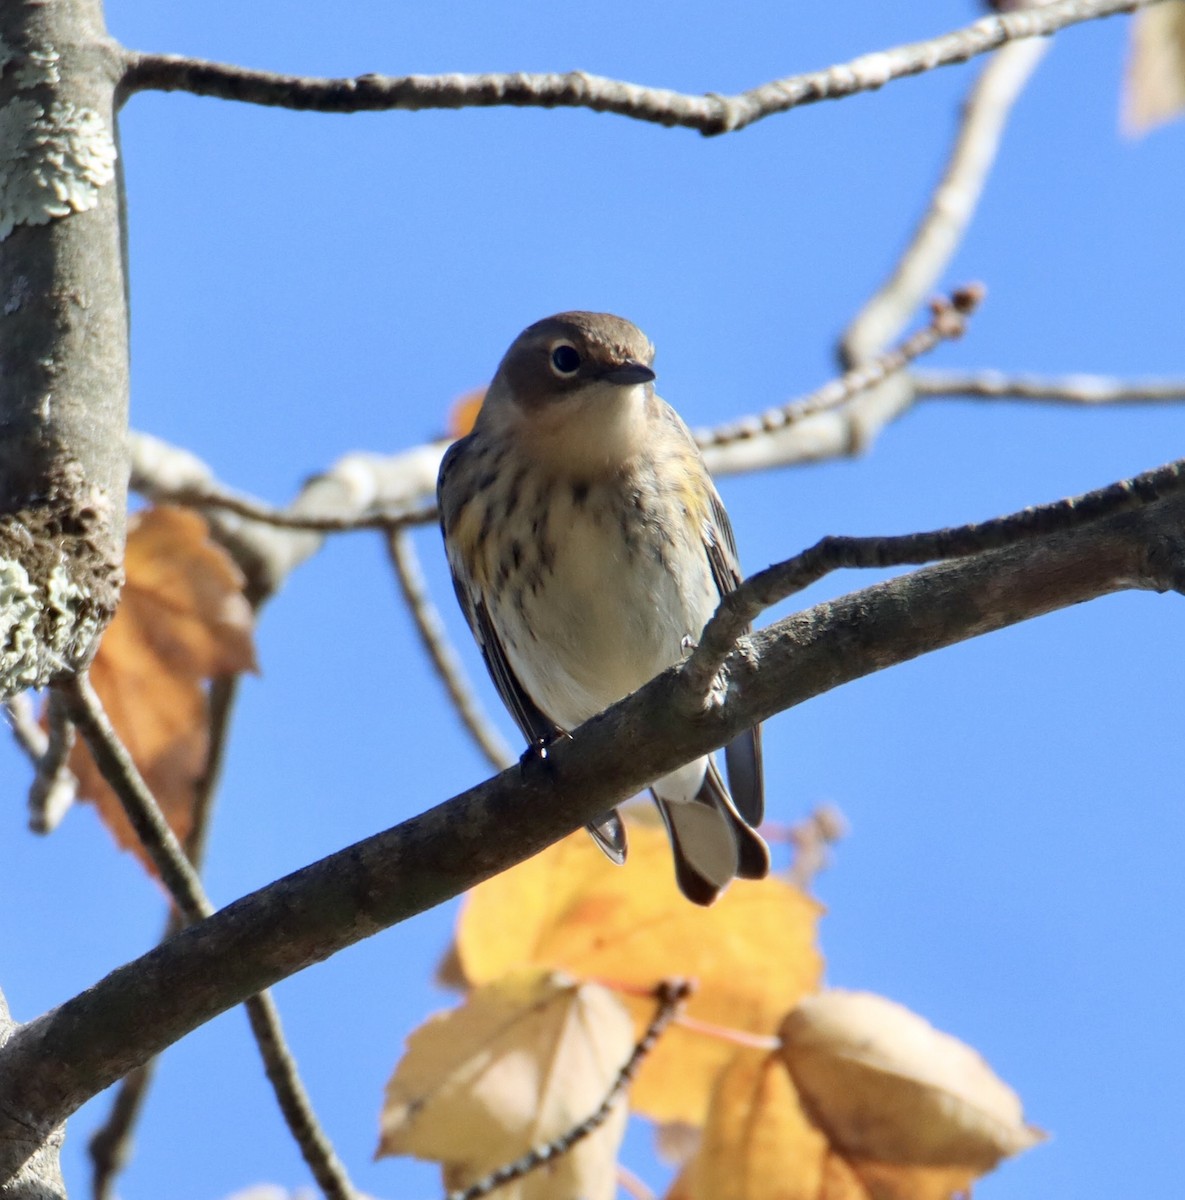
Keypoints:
pixel 952 203
pixel 948 320
pixel 739 609
pixel 26 732
pixel 281 518
pixel 710 114
pixel 670 995
pixel 54 786
pixel 110 1146
pixel 1077 390
pixel 437 646
pixel 119 770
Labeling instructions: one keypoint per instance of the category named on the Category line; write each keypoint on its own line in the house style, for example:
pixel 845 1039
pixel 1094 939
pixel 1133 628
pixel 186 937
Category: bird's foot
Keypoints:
pixel 539 751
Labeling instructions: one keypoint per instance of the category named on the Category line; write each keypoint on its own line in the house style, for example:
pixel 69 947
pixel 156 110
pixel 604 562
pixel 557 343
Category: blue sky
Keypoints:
pixel 307 285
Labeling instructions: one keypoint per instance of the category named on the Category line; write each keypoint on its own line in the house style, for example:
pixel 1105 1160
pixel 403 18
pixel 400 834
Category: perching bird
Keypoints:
pixel 588 548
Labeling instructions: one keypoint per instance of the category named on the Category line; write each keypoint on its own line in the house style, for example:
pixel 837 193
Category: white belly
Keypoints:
pixel 605 620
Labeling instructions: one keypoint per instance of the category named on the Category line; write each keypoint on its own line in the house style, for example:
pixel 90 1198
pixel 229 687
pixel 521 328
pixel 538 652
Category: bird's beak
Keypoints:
pixel 628 372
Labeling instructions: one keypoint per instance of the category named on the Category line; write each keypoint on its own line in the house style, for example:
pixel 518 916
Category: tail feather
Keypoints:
pixel 746 779
pixel 608 831
pixel 711 842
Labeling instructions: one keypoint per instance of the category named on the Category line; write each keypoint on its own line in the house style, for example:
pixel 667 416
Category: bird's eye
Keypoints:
pixel 565 360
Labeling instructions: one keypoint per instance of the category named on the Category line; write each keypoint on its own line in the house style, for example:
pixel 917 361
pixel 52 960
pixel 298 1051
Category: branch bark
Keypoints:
pixel 56 1062
pixel 63 338
pixel 709 114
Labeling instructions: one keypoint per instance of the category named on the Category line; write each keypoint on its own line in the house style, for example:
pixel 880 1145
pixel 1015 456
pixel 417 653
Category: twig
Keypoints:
pixel 26 732
pixel 436 644
pixel 739 609
pixel 710 114
pixel 812 840
pixel 54 787
pixel 266 514
pixel 119 770
pixel 1075 390
pixel 723 1033
pixel 670 995
pixel 952 203
pixel 948 320
pixel 110 1145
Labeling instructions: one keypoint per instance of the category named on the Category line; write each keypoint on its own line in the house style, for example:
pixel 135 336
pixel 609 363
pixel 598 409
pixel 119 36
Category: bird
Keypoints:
pixel 588 548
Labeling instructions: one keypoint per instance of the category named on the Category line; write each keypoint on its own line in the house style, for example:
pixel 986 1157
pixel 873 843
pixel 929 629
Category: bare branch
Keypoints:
pixel 948 320
pixel 1077 390
pixel 55 1063
pixel 710 114
pixel 110 1145
pixel 54 787
pixel 671 995
pixel 739 609
pixel 440 652
pixel 179 876
pixel 354 488
pixel 952 203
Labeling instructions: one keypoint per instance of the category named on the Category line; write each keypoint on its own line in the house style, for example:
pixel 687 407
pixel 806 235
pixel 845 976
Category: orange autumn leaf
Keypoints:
pixel 182 621
pixel 757 1143
pixel 463 412
pixel 519 1063
pixel 752 954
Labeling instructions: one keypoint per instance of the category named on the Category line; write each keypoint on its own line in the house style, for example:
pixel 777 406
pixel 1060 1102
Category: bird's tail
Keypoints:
pixel 712 843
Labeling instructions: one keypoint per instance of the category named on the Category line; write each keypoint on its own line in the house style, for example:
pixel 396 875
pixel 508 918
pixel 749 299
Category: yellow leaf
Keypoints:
pixel 181 621
pixel 521 1062
pixel 892 1181
pixel 752 954
pixel 757 1142
pixel 1154 90
pixel 886 1085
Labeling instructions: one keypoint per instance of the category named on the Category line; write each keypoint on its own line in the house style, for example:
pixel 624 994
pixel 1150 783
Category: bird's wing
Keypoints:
pixel 534 725
pixel 537 727
pixel 742 756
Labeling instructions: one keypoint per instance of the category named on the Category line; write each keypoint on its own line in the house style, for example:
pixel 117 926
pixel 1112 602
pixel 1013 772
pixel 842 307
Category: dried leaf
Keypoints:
pixel 758 1143
pixel 182 620
pixel 752 954
pixel 886 1085
pixel 521 1062
pixel 1154 89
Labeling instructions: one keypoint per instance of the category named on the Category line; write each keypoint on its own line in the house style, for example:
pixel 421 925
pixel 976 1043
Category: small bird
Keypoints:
pixel 588 548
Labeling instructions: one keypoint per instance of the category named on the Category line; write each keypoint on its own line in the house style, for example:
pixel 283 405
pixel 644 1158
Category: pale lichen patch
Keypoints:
pixel 52 163
pixel 40 66
pixel 20 617
pixel 42 629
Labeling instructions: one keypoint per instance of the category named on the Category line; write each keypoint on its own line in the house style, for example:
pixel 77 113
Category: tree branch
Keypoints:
pixel 179 876
pixel 55 1063
pixel 710 114
pixel 1076 390
pixel 63 339
pixel 439 650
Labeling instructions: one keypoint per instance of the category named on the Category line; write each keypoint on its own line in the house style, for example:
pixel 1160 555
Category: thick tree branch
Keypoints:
pixel 63 339
pixel 56 1062
pixel 710 114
